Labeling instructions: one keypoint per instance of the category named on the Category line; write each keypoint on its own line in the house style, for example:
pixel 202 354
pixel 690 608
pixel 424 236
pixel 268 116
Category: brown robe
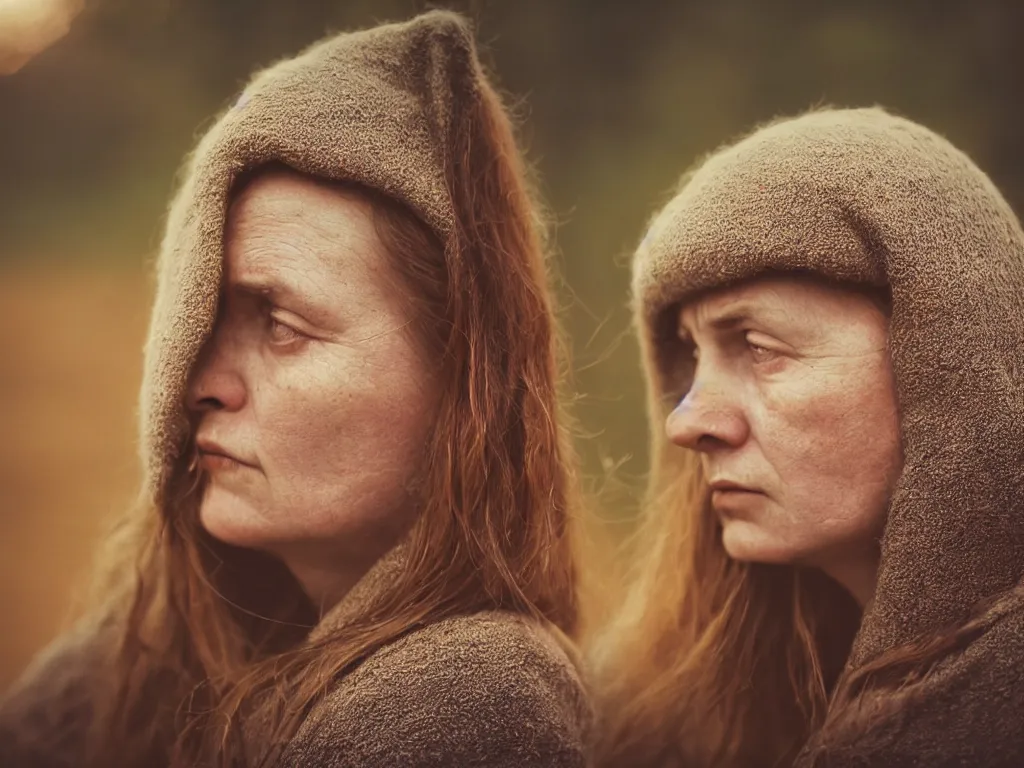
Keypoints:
pixel 485 689
pixel 861 195
pixel 378 108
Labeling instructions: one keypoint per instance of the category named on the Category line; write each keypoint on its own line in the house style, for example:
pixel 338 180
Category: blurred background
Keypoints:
pixel 101 99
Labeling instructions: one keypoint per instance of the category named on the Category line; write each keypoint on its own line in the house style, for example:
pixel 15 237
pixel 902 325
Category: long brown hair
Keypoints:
pixel 710 661
pixel 212 635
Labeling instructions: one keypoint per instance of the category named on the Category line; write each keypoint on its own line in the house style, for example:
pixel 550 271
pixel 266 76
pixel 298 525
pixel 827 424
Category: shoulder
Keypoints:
pixel 965 711
pixel 45 715
pixel 969 708
pixel 490 689
pixel 988 674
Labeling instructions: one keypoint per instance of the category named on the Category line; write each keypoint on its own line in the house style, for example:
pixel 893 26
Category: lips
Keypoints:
pixel 732 499
pixel 722 485
pixel 213 454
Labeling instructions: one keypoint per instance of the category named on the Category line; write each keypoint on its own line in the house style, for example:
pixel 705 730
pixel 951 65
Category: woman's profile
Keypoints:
pixel 354 545
pixel 829 567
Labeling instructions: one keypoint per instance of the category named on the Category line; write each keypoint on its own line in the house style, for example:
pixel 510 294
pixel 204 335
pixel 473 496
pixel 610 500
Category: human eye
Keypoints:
pixel 761 349
pixel 280 332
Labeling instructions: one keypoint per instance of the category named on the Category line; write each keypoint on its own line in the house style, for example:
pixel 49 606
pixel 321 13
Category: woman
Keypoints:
pixel 831 313
pixel 355 547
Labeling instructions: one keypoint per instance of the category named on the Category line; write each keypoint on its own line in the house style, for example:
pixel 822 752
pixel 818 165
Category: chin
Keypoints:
pixel 748 542
pixel 232 523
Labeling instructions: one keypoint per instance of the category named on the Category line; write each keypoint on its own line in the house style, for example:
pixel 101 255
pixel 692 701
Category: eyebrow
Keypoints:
pixel 725 321
pixel 265 286
pixel 278 293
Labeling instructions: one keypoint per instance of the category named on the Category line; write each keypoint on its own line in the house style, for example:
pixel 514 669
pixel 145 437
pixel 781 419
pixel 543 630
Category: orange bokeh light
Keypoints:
pixel 28 27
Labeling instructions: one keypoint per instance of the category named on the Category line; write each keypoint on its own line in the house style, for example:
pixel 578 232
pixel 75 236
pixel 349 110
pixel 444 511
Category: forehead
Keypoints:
pixel 790 299
pixel 282 223
pixel 760 296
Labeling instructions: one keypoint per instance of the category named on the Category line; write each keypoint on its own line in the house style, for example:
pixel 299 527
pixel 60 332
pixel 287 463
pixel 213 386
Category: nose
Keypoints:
pixel 215 383
pixel 706 420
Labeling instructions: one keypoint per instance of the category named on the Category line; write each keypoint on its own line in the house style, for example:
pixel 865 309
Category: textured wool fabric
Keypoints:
pixel 968 712
pixel 863 196
pixel 373 107
pixel 486 689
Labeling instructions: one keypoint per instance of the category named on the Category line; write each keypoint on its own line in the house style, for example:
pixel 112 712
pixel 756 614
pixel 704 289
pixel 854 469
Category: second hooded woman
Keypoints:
pixel 831 312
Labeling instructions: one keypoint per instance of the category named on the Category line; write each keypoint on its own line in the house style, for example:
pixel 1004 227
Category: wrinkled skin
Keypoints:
pixel 793 399
pixel 312 385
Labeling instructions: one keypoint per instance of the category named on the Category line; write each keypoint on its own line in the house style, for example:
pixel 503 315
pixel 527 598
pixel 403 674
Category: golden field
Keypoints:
pixel 71 343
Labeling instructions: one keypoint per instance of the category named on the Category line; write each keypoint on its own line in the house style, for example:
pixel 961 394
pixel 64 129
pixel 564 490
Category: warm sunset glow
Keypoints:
pixel 28 27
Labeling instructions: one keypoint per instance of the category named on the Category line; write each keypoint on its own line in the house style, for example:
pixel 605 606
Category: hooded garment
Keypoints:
pixel 492 689
pixel 375 107
pixel 863 196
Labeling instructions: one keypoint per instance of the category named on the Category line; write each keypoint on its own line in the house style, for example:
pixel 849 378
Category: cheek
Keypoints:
pixel 859 431
pixel 834 444
pixel 341 433
pixel 832 419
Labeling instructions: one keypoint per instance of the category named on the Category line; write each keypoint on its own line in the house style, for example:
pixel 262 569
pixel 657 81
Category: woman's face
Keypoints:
pixel 794 412
pixel 312 404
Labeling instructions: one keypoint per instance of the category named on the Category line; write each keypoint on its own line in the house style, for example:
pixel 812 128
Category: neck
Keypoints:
pixel 858 575
pixel 326 587
pixel 327 576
